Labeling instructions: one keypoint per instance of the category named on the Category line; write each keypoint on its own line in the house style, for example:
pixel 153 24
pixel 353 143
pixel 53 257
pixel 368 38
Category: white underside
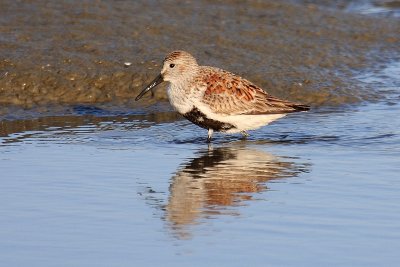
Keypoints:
pixel 250 122
pixel 184 104
pixel 241 122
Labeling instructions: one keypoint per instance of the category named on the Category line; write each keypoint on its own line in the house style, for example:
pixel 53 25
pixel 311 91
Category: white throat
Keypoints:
pixel 180 97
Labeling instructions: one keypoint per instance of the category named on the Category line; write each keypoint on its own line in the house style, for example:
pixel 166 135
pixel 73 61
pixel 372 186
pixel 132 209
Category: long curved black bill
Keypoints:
pixel 159 79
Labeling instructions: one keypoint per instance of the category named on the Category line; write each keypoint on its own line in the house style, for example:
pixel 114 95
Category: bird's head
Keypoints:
pixel 178 67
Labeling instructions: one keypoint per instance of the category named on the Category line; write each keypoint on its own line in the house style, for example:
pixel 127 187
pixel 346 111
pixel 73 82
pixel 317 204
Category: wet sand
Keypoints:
pixel 73 52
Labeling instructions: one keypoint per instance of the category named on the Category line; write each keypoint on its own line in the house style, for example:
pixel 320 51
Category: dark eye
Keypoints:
pixel 171 65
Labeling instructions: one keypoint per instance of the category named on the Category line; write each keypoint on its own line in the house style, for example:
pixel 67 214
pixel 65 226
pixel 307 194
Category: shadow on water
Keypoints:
pixel 260 139
pixel 218 180
pixel 82 119
pixel 171 129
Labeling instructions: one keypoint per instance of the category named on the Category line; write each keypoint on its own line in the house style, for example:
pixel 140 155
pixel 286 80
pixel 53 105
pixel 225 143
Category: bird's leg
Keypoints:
pixel 245 134
pixel 210 133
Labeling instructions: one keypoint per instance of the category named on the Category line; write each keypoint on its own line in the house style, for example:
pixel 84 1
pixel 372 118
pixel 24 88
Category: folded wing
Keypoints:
pixel 229 94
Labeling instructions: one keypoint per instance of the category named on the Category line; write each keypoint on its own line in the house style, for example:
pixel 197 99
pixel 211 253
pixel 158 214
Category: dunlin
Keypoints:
pixel 216 99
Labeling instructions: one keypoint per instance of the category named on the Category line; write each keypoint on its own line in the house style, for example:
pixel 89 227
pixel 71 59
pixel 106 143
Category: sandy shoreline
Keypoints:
pixel 74 52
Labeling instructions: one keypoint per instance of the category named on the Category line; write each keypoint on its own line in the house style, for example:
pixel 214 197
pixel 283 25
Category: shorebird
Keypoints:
pixel 218 100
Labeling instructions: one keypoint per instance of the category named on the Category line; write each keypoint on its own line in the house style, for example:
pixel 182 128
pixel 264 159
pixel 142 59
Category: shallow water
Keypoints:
pixel 97 189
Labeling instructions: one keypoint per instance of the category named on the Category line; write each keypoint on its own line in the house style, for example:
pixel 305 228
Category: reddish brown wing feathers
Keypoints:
pixel 229 94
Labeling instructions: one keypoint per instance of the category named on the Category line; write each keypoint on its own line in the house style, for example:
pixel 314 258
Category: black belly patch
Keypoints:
pixel 199 118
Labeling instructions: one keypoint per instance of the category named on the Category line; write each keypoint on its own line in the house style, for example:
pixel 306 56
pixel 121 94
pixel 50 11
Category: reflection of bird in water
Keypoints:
pixel 221 178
